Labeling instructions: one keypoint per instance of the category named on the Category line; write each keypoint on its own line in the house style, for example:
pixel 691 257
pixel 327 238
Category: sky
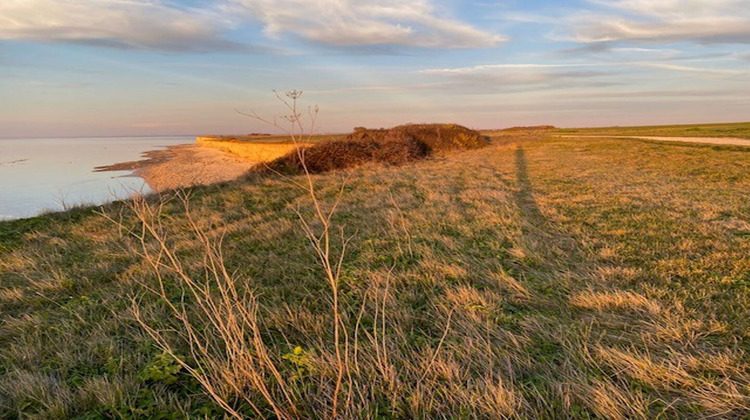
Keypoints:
pixel 179 67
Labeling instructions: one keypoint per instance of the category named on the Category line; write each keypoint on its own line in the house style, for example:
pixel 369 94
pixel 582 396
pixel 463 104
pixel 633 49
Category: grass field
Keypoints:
pixel 540 277
pixel 738 130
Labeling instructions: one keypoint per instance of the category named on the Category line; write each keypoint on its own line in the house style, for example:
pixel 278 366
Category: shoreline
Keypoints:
pixel 183 166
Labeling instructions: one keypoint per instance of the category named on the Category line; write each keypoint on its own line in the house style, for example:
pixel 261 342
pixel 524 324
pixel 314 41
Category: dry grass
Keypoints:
pixel 618 300
pixel 255 151
pixel 536 278
pixel 739 130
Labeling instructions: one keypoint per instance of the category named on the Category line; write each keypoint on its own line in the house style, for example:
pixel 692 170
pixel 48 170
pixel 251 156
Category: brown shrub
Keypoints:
pixel 341 154
pixel 436 137
pixel 395 146
pixel 530 128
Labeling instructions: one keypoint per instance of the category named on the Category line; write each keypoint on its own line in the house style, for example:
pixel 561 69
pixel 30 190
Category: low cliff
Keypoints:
pixel 253 149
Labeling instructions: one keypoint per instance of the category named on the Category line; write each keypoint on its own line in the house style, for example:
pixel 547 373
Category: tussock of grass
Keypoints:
pixel 615 300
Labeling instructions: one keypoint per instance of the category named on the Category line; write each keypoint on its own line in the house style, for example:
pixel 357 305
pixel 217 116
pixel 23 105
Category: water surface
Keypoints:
pixel 51 174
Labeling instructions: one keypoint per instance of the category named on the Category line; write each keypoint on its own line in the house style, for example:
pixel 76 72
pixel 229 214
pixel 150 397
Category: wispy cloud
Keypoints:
pixel 609 52
pixel 691 69
pixel 702 21
pixel 162 25
pixel 157 124
pixel 567 74
pixel 416 23
pixel 513 76
pixel 663 94
pixel 143 24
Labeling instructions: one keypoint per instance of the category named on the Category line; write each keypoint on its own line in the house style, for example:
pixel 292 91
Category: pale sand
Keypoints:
pixel 185 166
pixel 726 141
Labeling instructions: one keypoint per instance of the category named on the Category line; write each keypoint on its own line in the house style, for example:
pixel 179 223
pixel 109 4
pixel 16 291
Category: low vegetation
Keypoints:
pixel 529 128
pixel 395 146
pixel 434 137
pixel 538 277
pixel 738 130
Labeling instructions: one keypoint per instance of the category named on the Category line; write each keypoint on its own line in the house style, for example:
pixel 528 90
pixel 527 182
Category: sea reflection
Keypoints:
pixel 39 175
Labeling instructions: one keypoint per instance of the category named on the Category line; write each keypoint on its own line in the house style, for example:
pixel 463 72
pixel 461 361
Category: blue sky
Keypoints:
pixel 146 67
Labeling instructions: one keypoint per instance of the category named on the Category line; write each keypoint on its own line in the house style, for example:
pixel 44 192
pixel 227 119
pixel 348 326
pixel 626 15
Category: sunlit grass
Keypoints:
pixel 536 278
pixel 739 130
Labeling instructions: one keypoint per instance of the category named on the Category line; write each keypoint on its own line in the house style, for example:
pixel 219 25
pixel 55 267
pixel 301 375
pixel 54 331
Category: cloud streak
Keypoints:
pixel 701 21
pixel 562 75
pixel 344 23
pixel 515 77
pixel 126 24
pixel 161 25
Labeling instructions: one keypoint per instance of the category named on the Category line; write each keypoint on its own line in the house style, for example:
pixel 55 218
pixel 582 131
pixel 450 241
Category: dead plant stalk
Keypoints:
pixel 224 361
pixel 321 240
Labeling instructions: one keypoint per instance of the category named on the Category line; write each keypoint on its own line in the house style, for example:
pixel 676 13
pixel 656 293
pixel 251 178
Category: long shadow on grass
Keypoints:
pixel 555 249
pixel 525 195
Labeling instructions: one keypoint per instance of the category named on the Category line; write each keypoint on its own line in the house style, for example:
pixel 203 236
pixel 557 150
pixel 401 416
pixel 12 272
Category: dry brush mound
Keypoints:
pixel 394 146
pixel 530 128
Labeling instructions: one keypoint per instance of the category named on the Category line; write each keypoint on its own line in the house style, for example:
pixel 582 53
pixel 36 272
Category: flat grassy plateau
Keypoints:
pixel 538 277
pixel 738 130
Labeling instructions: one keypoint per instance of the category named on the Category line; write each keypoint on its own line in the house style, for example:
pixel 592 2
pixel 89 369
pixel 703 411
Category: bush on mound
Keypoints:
pixel 436 137
pixel 530 128
pixel 341 154
pixel 395 146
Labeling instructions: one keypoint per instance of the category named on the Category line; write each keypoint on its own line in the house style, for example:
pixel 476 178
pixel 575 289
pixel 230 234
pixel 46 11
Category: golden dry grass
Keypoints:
pixel 618 300
pixel 255 151
pixel 738 130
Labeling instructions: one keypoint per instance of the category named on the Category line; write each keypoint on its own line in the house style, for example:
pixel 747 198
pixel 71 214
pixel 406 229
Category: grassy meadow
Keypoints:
pixel 737 130
pixel 538 277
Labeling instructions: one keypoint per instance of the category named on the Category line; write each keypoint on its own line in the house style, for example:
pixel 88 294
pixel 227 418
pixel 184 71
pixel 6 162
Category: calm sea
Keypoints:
pixel 46 174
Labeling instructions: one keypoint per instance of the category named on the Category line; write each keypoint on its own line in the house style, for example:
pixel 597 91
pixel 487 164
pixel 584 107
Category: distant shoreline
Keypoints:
pixel 152 157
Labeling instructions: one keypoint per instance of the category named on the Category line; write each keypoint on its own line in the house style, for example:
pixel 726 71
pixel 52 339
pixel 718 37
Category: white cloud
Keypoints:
pixel 691 69
pixel 364 22
pixel 148 24
pixel 161 25
pixel 703 21
pixel 560 75
pixel 524 75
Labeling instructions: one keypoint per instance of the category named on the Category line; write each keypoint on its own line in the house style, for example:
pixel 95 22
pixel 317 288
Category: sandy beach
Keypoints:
pixel 184 166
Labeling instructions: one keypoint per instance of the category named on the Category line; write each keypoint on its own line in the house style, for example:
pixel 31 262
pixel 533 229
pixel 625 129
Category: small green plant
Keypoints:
pixel 300 360
pixel 164 368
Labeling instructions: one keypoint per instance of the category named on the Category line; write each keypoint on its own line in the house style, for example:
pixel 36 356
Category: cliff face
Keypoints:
pixel 252 150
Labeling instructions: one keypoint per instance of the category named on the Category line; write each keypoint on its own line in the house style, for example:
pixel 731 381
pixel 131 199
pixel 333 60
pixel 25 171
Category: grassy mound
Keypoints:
pixel 394 146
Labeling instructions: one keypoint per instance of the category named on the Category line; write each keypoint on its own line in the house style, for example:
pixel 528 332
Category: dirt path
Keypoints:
pixel 185 166
pixel 727 141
